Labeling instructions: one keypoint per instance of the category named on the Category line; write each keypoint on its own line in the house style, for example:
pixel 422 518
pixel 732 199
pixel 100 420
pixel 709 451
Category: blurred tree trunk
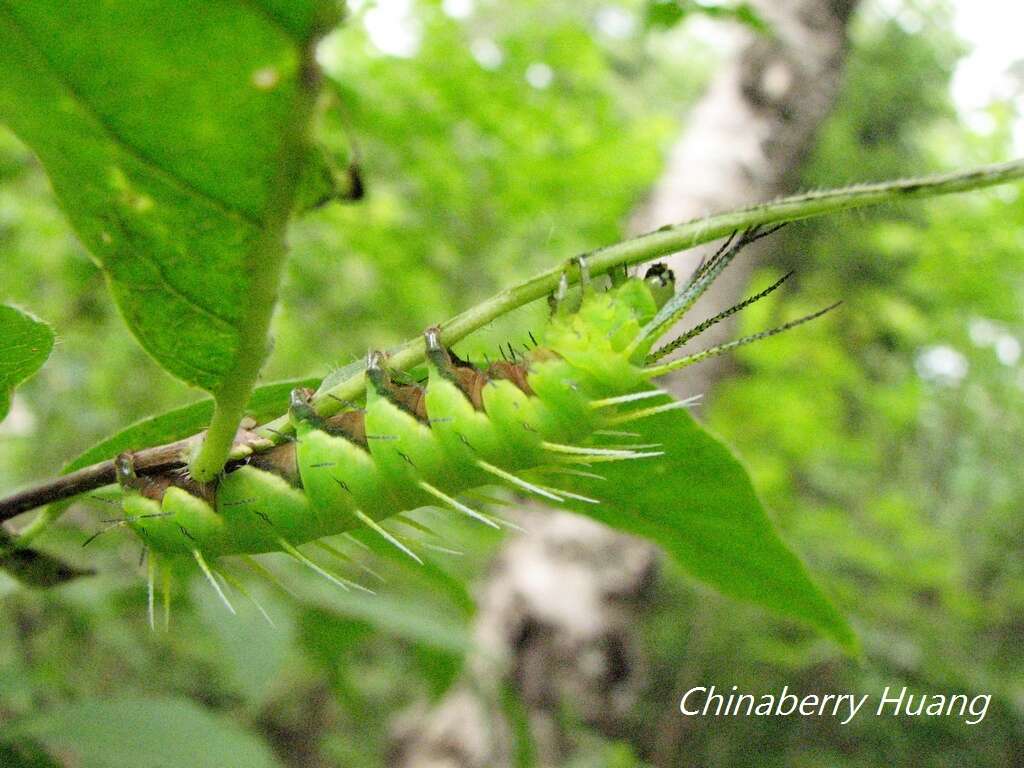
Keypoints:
pixel 558 613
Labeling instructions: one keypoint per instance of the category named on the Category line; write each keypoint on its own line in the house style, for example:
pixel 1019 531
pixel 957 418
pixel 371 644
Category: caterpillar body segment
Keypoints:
pixel 555 409
pixel 411 446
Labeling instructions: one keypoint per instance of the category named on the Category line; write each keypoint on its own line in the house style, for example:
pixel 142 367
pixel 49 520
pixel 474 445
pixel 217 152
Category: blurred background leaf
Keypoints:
pixel 34 568
pixel 26 754
pixel 25 343
pixel 668 13
pixel 145 733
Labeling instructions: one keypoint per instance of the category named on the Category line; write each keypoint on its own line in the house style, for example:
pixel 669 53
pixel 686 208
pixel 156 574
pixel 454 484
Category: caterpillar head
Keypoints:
pixel 600 336
pixel 661 281
pixel 612 335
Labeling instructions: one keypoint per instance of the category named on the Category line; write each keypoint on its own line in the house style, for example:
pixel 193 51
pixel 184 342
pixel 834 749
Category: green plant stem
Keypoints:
pixel 661 243
pixel 265 266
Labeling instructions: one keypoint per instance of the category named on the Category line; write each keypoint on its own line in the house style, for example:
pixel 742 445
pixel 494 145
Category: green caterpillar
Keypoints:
pixel 513 423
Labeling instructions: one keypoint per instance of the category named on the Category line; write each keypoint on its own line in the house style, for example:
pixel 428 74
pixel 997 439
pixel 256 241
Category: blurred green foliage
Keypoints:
pixel 884 440
pixel 25 343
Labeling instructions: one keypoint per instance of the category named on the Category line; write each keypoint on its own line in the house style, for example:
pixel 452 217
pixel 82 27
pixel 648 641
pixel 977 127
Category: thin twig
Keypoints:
pixel 150 461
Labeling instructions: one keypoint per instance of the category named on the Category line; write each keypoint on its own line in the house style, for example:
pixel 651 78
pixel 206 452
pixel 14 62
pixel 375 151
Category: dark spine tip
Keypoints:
pixel 376 374
pixel 437 354
pixel 556 299
pixel 124 470
pixel 581 263
pixel 661 275
pixel 356 185
pixel 300 406
pixel 432 337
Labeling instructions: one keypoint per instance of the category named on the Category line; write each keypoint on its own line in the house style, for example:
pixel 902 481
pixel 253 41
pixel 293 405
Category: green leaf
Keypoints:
pixel 167 130
pixel 175 136
pixel 332 638
pixel 698 504
pixel 145 733
pixel 251 652
pixel 25 343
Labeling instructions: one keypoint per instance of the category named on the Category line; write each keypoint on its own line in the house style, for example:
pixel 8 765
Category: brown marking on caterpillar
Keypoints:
pixel 514 372
pixel 279 460
pixel 410 398
pixel 471 381
pixel 155 486
pixel 348 424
